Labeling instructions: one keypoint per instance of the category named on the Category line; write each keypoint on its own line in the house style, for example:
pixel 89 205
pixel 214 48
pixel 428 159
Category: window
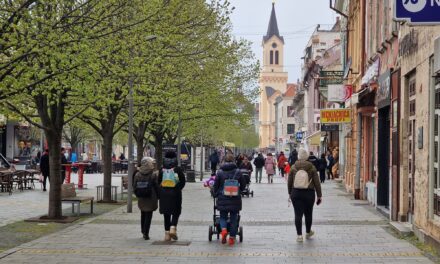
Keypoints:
pixel 323 44
pixel 412 87
pixel 271 57
pixel 412 107
pixel 276 57
pixel 290 129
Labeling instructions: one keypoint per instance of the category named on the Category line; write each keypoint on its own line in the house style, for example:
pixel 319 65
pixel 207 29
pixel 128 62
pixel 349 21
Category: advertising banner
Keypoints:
pixel 335 116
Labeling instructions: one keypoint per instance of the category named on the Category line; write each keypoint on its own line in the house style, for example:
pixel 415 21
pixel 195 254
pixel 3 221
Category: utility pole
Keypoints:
pixel 130 150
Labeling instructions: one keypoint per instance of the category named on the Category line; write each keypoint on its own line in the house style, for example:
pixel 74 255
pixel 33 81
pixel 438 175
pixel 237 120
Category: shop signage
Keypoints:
pixel 371 73
pixel 299 136
pixel 330 77
pixel 339 92
pixel 384 91
pixel 418 11
pixel 329 127
pixel 335 116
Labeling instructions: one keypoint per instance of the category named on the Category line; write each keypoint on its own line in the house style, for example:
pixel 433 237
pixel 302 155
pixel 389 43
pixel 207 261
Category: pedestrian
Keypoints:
pixel 314 160
pixel 246 165
pixel 259 163
pixel 228 185
pixel 281 163
pixel 171 182
pixel 293 157
pixel 214 159
pixel 122 156
pixel 44 168
pixel 331 162
pixel 270 165
pixel 239 160
pixel 303 182
pixel 287 168
pixel 146 188
pixel 322 167
pixel 64 162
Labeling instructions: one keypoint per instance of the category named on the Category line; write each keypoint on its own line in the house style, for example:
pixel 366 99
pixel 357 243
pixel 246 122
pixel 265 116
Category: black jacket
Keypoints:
pixel 293 157
pixel 322 164
pixel 63 161
pixel 44 164
pixel 259 162
pixel 226 203
pixel 170 201
pixel 314 160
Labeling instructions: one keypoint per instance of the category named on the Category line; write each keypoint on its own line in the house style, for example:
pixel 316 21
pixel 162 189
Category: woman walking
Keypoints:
pixel 171 181
pixel 228 185
pixel 270 165
pixel 302 184
pixel 146 188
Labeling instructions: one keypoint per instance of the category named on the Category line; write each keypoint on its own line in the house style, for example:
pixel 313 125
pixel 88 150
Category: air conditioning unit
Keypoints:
pixel 437 56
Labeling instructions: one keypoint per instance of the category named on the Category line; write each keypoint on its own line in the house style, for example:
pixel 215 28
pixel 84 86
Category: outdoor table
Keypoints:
pixel 81 168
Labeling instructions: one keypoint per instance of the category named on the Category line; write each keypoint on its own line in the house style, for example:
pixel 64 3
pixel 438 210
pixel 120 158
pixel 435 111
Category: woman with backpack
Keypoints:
pixel 302 184
pixel 171 181
pixel 146 189
pixel 228 185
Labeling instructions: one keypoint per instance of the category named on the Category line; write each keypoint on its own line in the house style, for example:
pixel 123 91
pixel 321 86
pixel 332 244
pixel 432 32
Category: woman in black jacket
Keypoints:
pixel 44 167
pixel 321 167
pixel 171 182
pixel 228 205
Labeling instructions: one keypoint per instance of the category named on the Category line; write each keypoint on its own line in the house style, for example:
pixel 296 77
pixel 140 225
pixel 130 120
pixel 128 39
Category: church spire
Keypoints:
pixel 272 29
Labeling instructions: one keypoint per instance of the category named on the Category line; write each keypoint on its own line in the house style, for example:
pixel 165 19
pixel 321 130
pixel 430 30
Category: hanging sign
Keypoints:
pixel 335 116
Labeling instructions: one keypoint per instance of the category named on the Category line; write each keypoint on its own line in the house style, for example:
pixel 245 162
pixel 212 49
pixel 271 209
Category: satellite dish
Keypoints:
pixel 347 68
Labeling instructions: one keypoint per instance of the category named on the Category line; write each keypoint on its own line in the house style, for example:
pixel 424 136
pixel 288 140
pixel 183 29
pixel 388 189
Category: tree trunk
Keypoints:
pixel 107 163
pixel 158 140
pixel 140 150
pixel 140 138
pixel 54 143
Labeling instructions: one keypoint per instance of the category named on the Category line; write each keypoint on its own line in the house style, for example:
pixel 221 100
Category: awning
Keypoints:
pixel 355 98
pixel 314 139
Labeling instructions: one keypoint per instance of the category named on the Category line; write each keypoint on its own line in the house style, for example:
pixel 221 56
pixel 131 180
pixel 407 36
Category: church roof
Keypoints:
pixel 272 29
pixel 270 91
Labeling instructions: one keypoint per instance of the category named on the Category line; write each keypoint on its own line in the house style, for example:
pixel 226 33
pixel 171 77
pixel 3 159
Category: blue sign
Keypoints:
pixel 418 11
pixel 299 136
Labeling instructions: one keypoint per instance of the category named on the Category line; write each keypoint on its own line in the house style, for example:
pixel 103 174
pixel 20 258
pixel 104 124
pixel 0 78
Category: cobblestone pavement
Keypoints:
pixel 30 203
pixel 347 231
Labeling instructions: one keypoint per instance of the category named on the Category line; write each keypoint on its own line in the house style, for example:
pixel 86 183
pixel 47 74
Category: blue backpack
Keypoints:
pixel 231 186
pixel 169 178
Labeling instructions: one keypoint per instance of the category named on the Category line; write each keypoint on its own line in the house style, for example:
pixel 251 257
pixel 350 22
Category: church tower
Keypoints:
pixel 273 81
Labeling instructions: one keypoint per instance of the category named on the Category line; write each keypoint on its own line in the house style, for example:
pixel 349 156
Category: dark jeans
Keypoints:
pixel 170 220
pixel 233 221
pixel 329 173
pixel 45 178
pixel 322 175
pixel 213 168
pixel 146 222
pixel 303 201
pixel 281 171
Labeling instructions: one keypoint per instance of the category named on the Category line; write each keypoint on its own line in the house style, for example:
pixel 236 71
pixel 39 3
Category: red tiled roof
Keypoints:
pixel 291 90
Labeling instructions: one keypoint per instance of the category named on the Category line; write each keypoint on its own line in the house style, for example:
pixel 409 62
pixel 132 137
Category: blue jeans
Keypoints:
pixel 232 221
pixel 258 171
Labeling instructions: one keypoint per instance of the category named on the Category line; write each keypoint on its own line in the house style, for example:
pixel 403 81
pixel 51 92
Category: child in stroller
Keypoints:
pixel 247 191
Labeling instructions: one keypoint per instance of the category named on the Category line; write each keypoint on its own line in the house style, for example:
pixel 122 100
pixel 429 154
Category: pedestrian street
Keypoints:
pixel 347 231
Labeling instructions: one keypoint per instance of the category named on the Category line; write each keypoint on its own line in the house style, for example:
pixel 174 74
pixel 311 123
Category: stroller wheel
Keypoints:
pixel 210 234
pixel 240 233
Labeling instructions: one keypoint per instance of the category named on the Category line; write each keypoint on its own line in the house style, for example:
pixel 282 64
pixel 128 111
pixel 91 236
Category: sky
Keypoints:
pixel 297 20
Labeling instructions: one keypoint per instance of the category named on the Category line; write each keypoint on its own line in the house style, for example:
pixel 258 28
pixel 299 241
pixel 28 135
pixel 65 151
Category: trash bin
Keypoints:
pixel 190 176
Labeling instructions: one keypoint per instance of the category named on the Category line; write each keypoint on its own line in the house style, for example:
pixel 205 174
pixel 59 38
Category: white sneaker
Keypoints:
pixel 309 235
pixel 299 239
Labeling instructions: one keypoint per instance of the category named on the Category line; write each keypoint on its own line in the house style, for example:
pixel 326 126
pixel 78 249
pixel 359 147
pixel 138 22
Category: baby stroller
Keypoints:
pixel 215 229
pixel 247 190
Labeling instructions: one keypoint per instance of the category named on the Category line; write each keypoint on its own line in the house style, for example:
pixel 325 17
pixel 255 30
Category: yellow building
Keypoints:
pixel 273 81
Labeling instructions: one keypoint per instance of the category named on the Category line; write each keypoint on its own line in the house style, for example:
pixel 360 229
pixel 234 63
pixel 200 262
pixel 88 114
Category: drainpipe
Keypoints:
pixel 357 178
pixel 336 10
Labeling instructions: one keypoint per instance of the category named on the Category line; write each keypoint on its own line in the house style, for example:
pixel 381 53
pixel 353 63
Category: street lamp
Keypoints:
pixel 130 139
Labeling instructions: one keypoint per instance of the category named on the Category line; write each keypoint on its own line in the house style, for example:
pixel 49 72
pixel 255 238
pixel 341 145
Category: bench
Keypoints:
pixel 68 195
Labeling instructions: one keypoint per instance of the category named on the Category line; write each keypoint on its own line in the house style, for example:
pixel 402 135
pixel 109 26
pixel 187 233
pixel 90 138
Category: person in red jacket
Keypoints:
pixel 282 163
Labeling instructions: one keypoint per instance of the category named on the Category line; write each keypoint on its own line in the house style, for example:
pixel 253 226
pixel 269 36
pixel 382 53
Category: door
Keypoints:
pixel 383 160
pixel 411 146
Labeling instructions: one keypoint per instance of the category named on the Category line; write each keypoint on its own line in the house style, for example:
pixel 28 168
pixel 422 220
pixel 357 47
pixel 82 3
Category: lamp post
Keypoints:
pixel 130 139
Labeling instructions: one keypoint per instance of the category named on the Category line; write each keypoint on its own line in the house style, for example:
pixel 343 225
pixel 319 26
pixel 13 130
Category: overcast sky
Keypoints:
pixel 296 21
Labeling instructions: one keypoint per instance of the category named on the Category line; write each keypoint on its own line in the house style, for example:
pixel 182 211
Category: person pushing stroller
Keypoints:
pixel 228 185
